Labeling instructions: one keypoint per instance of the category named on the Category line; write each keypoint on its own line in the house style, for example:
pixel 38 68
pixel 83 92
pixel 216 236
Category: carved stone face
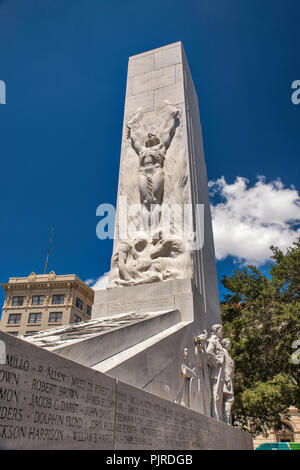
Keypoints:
pixel 217 330
pixel 201 341
pixel 185 353
pixel 226 343
pixel 152 140
pixel 220 332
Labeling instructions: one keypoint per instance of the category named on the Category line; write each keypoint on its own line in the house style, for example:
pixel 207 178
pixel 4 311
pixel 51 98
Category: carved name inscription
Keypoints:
pixel 49 402
pixel 141 305
pixel 146 421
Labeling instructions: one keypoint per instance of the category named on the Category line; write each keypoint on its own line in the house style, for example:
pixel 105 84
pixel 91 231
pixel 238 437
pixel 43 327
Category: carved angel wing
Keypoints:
pixel 136 130
pixel 168 121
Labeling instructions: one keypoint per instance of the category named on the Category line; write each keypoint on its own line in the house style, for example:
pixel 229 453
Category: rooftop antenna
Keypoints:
pixel 50 241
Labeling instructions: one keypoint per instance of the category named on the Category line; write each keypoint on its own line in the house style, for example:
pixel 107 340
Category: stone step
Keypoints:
pixel 98 347
pixel 117 359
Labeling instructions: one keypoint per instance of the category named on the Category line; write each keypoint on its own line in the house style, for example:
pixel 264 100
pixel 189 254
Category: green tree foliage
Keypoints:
pixel 261 316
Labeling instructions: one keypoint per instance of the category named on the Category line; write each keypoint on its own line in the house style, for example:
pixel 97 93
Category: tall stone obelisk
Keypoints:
pixel 162 166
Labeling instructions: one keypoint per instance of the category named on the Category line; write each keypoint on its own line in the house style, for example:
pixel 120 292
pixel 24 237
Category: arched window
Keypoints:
pixel 285 434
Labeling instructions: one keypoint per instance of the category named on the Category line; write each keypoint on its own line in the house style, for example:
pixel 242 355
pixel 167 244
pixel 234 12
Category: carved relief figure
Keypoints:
pixel 217 375
pixel 152 149
pixel 228 394
pixel 212 374
pixel 204 392
pixel 132 264
pixel 145 260
pixel 154 254
pixel 188 376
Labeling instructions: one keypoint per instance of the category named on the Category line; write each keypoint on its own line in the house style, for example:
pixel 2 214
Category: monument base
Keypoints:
pixel 49 402
pixel 152 297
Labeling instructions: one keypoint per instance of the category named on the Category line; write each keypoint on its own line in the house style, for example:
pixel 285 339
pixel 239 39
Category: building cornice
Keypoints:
pixel 50 281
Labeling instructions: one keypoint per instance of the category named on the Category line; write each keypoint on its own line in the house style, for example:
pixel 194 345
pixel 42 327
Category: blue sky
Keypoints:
pixel 65 63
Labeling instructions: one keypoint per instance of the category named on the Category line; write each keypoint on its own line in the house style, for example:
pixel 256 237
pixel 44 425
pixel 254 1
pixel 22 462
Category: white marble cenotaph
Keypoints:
pixel 157 325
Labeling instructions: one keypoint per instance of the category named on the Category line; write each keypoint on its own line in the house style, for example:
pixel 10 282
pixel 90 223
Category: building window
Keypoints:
pixel 35 318
pixel 88 310
pixel 55 317
pixel 79 303
pixel 29 333
pixel 14 333
pixel 17 301
pixel 14 318
pixel 77 319
pixel 58 299
pixel 37 300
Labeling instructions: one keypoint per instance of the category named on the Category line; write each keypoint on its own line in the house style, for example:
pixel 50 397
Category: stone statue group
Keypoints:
pixel 207 380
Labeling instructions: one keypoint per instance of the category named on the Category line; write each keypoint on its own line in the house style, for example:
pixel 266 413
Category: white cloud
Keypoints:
pixel 99 283
pixel 251 218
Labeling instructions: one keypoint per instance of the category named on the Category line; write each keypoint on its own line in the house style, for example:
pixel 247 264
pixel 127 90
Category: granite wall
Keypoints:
pixel 49 402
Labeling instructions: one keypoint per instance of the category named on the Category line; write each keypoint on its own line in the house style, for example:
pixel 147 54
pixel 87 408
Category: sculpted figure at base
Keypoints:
pixel 212 371
pixel 217 375
pixel 203 360
pixel 188 375
pixel 228 395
